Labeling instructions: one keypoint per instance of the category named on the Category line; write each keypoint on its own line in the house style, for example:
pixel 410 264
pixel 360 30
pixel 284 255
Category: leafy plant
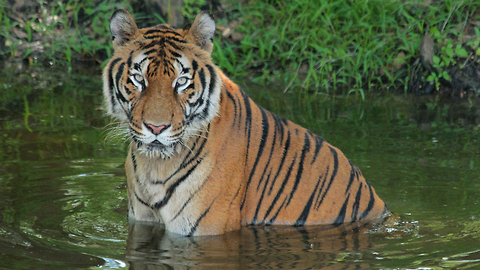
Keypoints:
pixel 449 54
pixel 191 8
pixel 329 45
pixel 67 30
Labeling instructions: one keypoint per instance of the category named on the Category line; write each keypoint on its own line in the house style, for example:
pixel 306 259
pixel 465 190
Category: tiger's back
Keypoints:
pixel 204 158
pixel 292 175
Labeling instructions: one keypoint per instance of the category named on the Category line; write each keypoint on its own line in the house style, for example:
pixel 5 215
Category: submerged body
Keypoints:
pixel 204 158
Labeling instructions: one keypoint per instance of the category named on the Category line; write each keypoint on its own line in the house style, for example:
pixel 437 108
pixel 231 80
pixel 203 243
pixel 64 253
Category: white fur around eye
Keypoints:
pixel 139 81
pixel 181 83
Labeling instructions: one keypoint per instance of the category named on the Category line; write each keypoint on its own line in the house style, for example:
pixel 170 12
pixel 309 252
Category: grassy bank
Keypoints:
pixel 324 45
pixel 320 45
pixel 57 33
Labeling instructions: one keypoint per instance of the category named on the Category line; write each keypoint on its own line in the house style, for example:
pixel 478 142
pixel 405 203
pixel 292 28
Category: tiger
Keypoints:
pixel 203 158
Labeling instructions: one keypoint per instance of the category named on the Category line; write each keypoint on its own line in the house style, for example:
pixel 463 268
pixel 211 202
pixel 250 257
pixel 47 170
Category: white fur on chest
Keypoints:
pixel 162 181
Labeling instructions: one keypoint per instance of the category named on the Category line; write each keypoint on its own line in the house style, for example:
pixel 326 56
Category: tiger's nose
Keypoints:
pixel 156 129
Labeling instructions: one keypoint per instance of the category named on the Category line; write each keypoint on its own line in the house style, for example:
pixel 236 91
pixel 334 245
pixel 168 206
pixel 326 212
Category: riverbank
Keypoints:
pixel 314 46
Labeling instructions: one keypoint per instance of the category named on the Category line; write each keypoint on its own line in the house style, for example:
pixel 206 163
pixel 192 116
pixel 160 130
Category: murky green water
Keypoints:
pixel 63 198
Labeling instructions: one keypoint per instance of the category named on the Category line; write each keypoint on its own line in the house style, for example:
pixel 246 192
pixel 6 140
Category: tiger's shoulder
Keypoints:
pixel 206 159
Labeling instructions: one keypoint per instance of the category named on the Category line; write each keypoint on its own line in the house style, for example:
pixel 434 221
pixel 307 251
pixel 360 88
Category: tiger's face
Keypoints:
pixel 161 82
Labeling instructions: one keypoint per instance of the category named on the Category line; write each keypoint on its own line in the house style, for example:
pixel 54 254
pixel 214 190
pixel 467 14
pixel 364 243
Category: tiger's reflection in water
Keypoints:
pixel 149 246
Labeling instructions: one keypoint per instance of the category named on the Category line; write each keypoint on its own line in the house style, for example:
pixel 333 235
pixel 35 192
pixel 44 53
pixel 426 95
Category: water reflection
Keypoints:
pixel 63 194
pixel 19 252
pixel 149 246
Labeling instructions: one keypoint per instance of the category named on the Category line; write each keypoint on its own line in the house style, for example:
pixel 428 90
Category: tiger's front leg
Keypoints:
pixel 140 212
pixel 138 209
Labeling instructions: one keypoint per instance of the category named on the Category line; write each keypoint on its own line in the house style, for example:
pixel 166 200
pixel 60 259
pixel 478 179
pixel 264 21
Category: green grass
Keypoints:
pixel 325 45
pixel 66 31
pixel 320 46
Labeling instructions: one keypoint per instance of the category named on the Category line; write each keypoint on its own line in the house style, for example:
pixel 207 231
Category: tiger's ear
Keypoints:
pixel 202 30
pixel 122 27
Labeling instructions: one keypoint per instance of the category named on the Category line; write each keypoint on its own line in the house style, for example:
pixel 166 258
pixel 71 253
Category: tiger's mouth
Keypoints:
pixel 156 149
pixel 156 145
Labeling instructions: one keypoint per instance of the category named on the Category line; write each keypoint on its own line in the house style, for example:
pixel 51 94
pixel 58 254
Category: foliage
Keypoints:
pixel 323 45
pixel 191 8
pixel 450 54
pixel 337 44
pixel 59 31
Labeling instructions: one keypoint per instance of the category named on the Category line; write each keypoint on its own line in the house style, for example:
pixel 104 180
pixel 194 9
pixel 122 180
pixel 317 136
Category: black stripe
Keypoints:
pixel 203 80
pixel 110 73
pixel 318 145
pixel 134 161
pixel 194 69
pixel 240 108
pixel 195 226
pixel 261 147
pixel 353 176
pixel 211 88
pixel 140 200
pixel 333 176
pixel 120 97
pixel 370 205
pixel 110 79
pixel 134 130
pixel 236 194
pixel 280 166
pixel 259 204
pixel 199 102
pixel 325 175
pixel 175 54
pixel 158 42
pixel 147 53
pixel 356 203
pixel 248 119
pixel 263 141
pixel 119 74
pixel 196 104
pixel 213 79
pixel 126 88
pixel 306 210
pixel 248 114
pixel 171 189
pixel 229 95
pixel 198 152
pixel 130 210
pixel 161 29
pixel 185 163
pixel 341 215
pixel 194 65
pixel 129 61
pixel 163 36
pixel 282 187
pixel 188 201
pixel 279 125
pixel 274 140
pixel 179 40
pixel 272 220
pixel 173 44
pixel 305 149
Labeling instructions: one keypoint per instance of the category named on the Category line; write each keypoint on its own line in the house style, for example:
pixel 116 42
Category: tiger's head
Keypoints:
pixel 161 82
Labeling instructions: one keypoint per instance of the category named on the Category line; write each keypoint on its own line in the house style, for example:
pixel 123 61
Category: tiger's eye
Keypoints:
pixel 181 81
pixel 138 77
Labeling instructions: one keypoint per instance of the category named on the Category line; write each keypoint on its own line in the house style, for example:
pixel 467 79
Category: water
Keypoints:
pixel 63 194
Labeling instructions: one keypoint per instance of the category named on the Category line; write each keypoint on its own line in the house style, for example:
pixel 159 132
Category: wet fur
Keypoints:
pixel 223 162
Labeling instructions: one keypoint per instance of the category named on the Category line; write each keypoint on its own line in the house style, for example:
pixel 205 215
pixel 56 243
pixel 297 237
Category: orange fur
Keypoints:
pixel 204 158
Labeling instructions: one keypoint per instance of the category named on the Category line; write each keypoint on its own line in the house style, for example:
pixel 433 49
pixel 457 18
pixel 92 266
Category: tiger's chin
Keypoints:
pixel 156 150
